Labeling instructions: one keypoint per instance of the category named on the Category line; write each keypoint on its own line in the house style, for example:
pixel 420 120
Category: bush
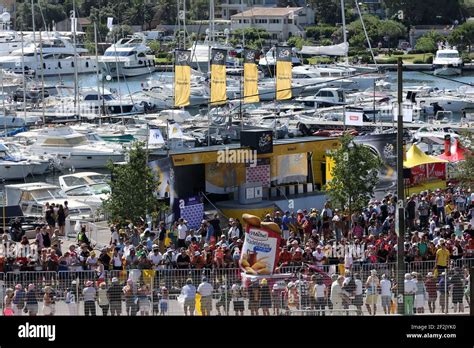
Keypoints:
pixel 429 60
pixel 398 52
pixel 390 60
pixel 418 61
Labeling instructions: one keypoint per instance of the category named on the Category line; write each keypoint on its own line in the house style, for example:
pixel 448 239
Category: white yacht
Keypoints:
pixel 94 102
pixel 54 55
pixel 129 56
pixel 9 41
pixel 32 198
pixel 12 167
pixel 42 163
pixel 87 187
pixel 70 181
pixel 447 62
pixel 73 149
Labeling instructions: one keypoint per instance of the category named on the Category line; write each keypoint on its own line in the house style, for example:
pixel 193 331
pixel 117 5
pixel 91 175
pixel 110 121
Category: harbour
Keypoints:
pixel 170 147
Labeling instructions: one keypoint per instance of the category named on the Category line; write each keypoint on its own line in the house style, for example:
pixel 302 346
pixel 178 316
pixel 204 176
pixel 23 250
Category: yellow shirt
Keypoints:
pixel 442 257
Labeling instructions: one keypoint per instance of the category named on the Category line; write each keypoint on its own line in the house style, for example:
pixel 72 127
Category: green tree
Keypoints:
pixel 393 30
pixel 166 11
pixel 45 15
pixel 426 11
pixel 428 43
pixel 199 10
pixel 133 188
pixel 463 36
pixel 319 32
pixel 120 31
pixel 354 175
pixel 298 42
pixel 254 37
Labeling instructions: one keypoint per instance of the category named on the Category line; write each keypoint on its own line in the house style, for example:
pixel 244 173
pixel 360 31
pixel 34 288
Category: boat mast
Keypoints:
pixel 76 87
pixel 24 77
pixel 34 34
pixel 366 35
pixel 3 106
pixel 42 77
pixel 344 32
pixel 97 72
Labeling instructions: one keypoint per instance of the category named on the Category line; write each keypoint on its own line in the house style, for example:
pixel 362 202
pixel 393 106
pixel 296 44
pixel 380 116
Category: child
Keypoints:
pixel 164 301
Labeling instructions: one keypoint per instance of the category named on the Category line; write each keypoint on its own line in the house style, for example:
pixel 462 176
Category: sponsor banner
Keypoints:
pixel 354 118
pixel 283 73
pixel 289 168
pixel 155 137
pixel 218 77
pixel 191 209
pixel 223 178
pixel 250 77
pixel 110 23
pixel 182 78
pixel 259 255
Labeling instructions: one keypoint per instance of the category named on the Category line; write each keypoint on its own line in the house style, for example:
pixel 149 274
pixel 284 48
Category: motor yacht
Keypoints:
pixel 53 55
pixel 73 149
pixel 447 62
pixel 128 57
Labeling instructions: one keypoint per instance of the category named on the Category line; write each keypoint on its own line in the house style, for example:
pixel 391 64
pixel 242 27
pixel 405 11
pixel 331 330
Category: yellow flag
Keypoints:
pixel 148 275
pixel 218 77
pixel 182 78
pixel 198 304
pixel 283 73
pixel 250 77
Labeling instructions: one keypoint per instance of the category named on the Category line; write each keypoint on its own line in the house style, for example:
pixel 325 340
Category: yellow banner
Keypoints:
pixel 283 80
pixel 251 83
pixel 182 85
pixel 218 84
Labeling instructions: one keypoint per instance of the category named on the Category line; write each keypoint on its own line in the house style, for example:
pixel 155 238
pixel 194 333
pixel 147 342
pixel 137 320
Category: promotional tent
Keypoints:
pixel 416 157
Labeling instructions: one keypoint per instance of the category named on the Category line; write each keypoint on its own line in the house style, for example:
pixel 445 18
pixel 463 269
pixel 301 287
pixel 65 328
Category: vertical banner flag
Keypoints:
pixel 218 77
pixel 283 72
pixel 182 78
pixel 354 118
pixel 250 77
pixel 110 23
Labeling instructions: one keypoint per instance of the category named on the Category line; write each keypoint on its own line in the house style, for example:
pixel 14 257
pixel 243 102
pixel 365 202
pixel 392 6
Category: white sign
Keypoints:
pixel 354 118
pixel 110 22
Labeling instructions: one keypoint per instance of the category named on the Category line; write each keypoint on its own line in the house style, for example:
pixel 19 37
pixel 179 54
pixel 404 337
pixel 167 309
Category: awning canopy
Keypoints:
pixel 416 157
pixel 333 50
pixel 457 152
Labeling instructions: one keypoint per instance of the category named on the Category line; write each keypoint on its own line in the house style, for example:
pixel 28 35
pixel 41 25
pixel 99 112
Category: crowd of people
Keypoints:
pixel 439 230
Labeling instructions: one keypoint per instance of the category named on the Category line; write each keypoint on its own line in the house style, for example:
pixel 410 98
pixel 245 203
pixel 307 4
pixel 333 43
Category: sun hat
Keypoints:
pixel 89 283
pixel 114 280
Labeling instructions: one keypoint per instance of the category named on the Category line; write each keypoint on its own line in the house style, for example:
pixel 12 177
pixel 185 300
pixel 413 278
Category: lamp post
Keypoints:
pixel 400 197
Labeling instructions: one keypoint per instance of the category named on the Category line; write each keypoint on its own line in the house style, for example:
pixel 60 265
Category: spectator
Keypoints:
pixel 430 285
pixel 188 292
pixel 205 290
pixel 130 294
pixel 410 290
pixel 386 293
pixel 89 294
pixel 372 285
pixel 420 294
pixel 114 294
pixel 238 299
pixel 49 303
pixel 338 296
pixel 457 291
pixel 265 297
pixel 254 296
pixel 31 300
pixel 321 295
pixel 144 300
pixel 70 300
pixel 102 299
pixel 18 300
pixel 182 232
